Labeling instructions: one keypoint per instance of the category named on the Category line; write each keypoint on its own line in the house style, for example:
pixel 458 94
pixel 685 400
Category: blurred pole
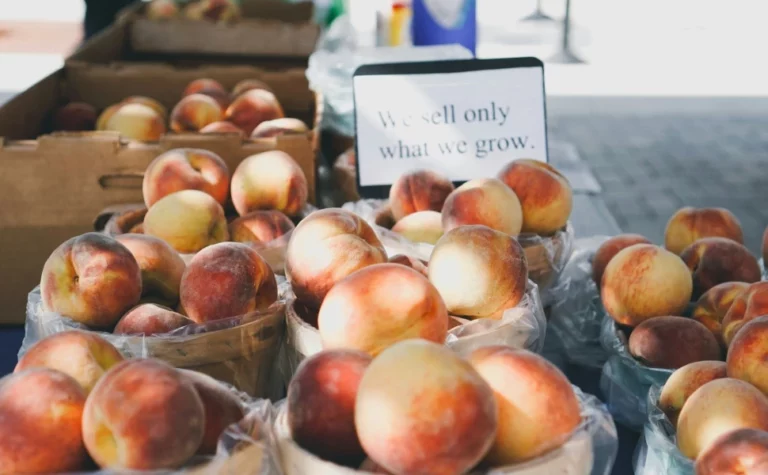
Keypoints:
pixel 565 54
pixel 538 15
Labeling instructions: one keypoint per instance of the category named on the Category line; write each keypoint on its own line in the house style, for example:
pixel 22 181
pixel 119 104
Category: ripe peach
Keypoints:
pixel 41 410
pixel 92 279
pixel 186 169
pixel 222 127
pixel 253 107
pixel 327 246
pixel 485 201
pixel 161 266
pixel 202 86
pixel 749 304
pixel 479 272
pixel 247 85
pixel 748 352
pixel 162 9
pixel 715 260
pixel 150 319
pixel 137 122
pixel 545 195
pixel 269 180
pixel 106 114
pixel 143 415
pixel 194 112
pixel 321 405
pixel 275 127
pixel 213 10
pixel 75 116
pixel 188 220
pixel 420 408
pixel 684 381
pixel 359 312
pixel 416 264
pixel 610 248
pixel 742 451
pixel 688 225
pixel 645 281
pixel 672 342
pixel 421 226
pixel 717 408
pixel 527 388
pixel 260 226
pixel 418 190
pixel 226 280
pixel 149 102
pixel 712 307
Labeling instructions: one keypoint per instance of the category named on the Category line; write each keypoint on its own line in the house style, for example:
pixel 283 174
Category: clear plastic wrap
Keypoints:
pixel 763 270
pixel 657 451
pixel 625 381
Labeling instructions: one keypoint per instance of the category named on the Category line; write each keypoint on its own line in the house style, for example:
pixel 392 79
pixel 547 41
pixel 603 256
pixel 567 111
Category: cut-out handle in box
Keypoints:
pixel 129 180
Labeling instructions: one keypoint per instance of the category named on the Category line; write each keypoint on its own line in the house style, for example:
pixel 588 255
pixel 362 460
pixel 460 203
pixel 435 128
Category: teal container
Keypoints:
pixel 440 22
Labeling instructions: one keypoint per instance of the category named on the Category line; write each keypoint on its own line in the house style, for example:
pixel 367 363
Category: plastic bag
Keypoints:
pixel 625 381
pixel 657 451
pixel 763 270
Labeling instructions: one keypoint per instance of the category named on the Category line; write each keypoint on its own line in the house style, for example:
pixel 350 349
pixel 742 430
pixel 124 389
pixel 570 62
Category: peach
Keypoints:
pixel 222 127
pixel 269 180
pixel 479 272
pixel 162 9
pixel 188 220
pixel 545 195
pixel 536 405
pixel 75 116
pixel 106 114
pixel 684 381
pixel 421 226
pixel 186 169
pixel 742 451
pixel 715 260
pixel 712 307
pixel 213 10
pixel 689 224
pixel 418 190
pixel 260 227
pixel 327 246
pixel 161 266
pixel 610 248
pixel 485 201
pixel 408 261
pixel 321 405
pixel 143 415
pixel 149 102
pixel 92 279
pixel 194 112
pixel 748 352
pixel 276 127
pixel 420 408
pixel 717 408
pixel 41 410
pixel 211 88
pixel 645 281
pixel 83 356
pixel 150 319
pixel 221 406
pixel 137 122
pixel 226 280
pixel 253 107
pixel 749 304
pixel 359 312
pixel 672 342
pixel 247 85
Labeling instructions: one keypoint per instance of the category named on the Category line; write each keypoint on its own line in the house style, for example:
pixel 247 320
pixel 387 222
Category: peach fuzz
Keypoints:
pixel 161 266
pixel 684 381
pixel 194 112
pixel 253 107
pixel 222 127
pixel 321 405
pixel 75 116
pixel 247 85
pixel 227 280
pixel 717 408
pixel 416 264
pixel 536 405
pixel 689 224
pixel 143 415
pixel 439 416
pixel 418 190
pixel 545 195
pixel 260 227
pixel 188 220
pixel 744 451
pixel 421 226
pixel 137 122
pixel 610 248
pixel 41 411
pixel 82 355
pixel 186 169
pixel 269 180
pixel 359 312
pixel 749 304
pixel 645 281
pixel 716 260
pixel 150 319
pixel 748 353
pixel 672 342
pixel 479 272
pixel 484 201
pixel 91 279
pixel 276 127
pixel 711 308
pixel 209 87
pixel 162 9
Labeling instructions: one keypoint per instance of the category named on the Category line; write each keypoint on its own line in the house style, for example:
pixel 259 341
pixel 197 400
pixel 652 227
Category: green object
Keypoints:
pixel 334 11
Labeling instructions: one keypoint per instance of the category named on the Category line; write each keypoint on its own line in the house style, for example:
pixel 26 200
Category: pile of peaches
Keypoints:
pixel 73 403
pixel 250 110
pixel 223 11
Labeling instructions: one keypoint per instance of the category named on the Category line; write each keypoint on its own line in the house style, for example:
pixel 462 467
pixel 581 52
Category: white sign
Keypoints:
pixel 465 125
